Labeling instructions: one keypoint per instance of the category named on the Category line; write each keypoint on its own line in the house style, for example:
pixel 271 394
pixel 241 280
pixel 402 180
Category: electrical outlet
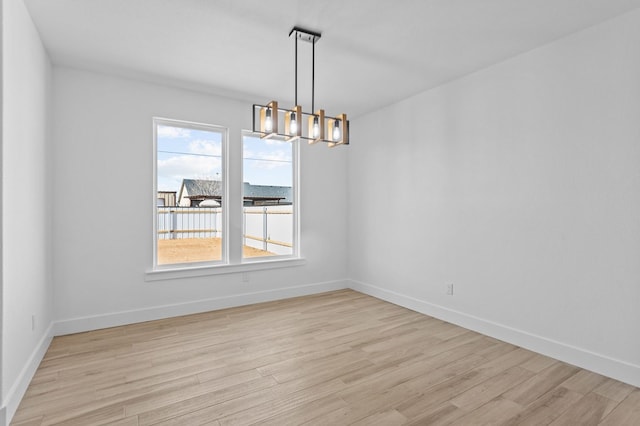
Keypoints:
pixel 450 289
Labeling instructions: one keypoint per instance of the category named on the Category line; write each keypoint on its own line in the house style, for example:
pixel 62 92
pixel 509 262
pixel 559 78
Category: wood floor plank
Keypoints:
pixel 583 382
pixel 361 408
pixel 545 409
pixel 315 400
pixel 532 389
pixel 491 388
pixel 413 376
pixel 305 412
pixel 202 394
pixel 206 406
pixel 590 410
pixel 89 416
pixel 614 390
pixel 438 415
pixel 203 409
pixel 626 413
pixel 493 412
pixel 127 421
pixel 387 418
pixel 538 363
pixel 335 358
pixel 439 394
pixel 37 421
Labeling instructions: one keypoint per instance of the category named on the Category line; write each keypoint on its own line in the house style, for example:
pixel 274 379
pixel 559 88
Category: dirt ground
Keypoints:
pixel 197 250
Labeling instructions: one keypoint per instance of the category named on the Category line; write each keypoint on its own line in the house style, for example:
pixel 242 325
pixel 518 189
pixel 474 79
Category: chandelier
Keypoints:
pixel 293 124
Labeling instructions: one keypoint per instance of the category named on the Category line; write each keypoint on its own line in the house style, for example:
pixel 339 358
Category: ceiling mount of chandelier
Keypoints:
pixel 290 124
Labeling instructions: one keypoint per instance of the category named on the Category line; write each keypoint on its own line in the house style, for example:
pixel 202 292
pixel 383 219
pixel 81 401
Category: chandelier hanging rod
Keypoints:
pixel 311 37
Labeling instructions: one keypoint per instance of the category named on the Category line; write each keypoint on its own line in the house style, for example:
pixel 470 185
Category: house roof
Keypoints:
pixel 212 189
pixel 197 188
pixel 261 192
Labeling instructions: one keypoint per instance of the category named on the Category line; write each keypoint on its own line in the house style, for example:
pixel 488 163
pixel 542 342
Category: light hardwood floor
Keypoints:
pixel 330 359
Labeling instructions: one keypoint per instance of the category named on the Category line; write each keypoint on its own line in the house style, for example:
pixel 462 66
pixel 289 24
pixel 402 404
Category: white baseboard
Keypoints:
pixel 17 391
pixel 96 322
pixel 601 364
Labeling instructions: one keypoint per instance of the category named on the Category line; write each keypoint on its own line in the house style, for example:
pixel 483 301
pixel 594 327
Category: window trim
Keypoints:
pixel 209 270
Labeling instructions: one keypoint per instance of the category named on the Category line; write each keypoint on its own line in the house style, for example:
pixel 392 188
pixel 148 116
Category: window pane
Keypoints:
pixel 268 197
pixel 189 193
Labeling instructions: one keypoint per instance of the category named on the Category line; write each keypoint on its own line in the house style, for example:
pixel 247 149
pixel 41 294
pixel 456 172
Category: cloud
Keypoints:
pixel 171 132
pixel 188 166
pixel 269 160
pixel 205 147
pixel 185 153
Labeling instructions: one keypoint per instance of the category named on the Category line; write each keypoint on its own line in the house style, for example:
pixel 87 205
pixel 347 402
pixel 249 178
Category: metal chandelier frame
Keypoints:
pixel 270 119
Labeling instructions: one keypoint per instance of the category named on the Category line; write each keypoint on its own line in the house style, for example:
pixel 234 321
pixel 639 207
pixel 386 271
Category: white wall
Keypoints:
pixel 3 409
pixel 26 268
pixel 103 145
pixel 519 184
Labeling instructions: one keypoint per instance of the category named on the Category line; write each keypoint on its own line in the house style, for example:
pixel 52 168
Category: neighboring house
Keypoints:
pixel 195 191
pixel 263 195
pixel 166 199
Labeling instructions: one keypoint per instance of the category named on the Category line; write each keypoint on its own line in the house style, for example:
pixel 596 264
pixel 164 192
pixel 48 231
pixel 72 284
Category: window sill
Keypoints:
pixel 202 271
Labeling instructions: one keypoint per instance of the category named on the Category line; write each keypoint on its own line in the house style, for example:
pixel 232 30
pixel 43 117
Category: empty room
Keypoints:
pixel 414 212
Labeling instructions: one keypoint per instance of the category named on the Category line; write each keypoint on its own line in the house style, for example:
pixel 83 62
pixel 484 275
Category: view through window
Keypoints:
pixel 191 203
pixel 268 197
pixel 190 192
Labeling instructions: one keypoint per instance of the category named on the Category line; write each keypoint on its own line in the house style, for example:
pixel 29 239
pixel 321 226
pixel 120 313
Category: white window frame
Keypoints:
pixel 295 157
pixel 232 259
pixel 157 121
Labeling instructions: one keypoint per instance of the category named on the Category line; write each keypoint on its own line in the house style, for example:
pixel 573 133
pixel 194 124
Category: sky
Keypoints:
pixel 186 153
pixel 267 161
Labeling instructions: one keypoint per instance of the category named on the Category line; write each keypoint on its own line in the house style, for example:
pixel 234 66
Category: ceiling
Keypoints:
pixel 371 54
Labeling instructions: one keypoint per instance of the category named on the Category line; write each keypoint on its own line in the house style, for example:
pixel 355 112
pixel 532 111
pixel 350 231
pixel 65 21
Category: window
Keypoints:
pixel 190 188
pixel 269 220
pixel 208 214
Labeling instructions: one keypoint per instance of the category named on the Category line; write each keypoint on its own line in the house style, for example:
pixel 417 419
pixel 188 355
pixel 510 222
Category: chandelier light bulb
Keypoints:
pixel 336 130
pixel 268 122
pixel 293 127
pixel 316 127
